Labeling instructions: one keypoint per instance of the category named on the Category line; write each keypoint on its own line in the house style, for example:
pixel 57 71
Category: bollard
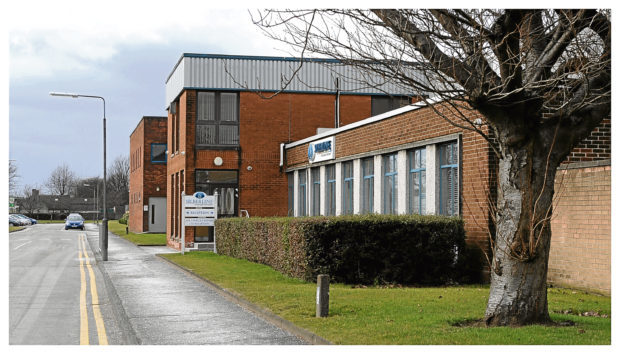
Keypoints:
pixel 322 295
pixel 126 230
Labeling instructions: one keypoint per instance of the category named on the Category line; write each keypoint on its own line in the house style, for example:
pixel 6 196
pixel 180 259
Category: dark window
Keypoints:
pixel 382 104
pixel 368 185
pixel 330 191
pixel 448 179
pixel 417 181
pixel 291 194
pixel 217 119
pixel 315 178
pixel 158 153
pixel 302 193
pixel 347 187
pixel 390 184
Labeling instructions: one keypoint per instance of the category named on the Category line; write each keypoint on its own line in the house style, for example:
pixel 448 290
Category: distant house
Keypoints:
pixel 56 207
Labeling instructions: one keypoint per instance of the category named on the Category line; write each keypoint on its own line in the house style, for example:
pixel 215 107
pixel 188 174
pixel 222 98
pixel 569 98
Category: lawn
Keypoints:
pixel 139 239
pixel 395 315
pixel 15 228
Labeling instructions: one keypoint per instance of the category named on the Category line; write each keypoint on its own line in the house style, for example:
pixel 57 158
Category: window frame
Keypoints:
pixel 393 175
pixel 165 155
pixel 368 195
pixel 421 180
pixel 217 122
pixel 347 188
pixel 453 199
pixel 330 190
pixel 302 193
pixel 315 191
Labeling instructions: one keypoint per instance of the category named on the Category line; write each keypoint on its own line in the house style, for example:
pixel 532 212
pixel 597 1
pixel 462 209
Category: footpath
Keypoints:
pixel 161 304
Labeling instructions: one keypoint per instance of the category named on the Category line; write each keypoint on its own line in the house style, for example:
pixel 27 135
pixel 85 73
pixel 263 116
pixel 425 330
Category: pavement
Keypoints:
pixel 162 304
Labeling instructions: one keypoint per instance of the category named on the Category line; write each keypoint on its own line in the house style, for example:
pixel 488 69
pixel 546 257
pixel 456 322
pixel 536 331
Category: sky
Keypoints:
pixel 122 51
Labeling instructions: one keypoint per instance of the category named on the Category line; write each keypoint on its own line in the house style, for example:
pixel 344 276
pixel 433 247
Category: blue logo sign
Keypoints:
pixel 310 152
pixel 199 195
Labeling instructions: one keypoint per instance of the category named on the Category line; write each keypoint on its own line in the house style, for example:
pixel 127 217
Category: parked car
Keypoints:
pixel 24 220
pixel 32 221
pixel 15 221
pixel 74 221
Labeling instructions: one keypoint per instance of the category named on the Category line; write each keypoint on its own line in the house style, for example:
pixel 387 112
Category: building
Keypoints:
pixel 224 136
pixel 57 207
pixel 428 166
pixel 147 175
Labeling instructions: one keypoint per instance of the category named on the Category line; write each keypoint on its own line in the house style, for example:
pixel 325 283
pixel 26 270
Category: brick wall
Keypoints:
pixel 580 254
pixel 263 125
pixel 145 177
pixel 419 125
pixel 595 147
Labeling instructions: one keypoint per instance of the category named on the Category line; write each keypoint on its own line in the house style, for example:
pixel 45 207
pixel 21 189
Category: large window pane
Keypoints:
pixel 448 179
pixel 330 191
pixel 291 193
pixel 228 107
pixel 302 193
pixel 390 184
pixel 229 135
pixel 347 187
pixel 205 135
pixel 368 182
pixel 417 181
pixel 217 121
pixel 206 106
pixel 316 191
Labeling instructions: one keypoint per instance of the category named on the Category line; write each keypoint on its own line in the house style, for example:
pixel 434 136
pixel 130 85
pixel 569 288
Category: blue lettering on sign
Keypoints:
pixel 199 195
pixel 324 146
pixel 310 152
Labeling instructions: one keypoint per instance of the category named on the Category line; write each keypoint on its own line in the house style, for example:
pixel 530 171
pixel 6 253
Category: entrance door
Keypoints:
pixel 226 184
pixel 157 214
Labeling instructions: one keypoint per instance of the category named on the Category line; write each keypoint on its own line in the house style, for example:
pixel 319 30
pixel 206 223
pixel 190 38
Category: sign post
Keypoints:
pixel 198 209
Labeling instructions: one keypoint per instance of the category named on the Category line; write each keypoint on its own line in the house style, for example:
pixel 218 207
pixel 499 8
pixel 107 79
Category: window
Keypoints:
pixel 225 184
pixel 217 119
pixel 390 184
pixel 330 190
pixel 417 181
pixel 315 177
pixel 368 185
pixel 382 104
pixel 347 187
pixel 291 194
pixel 301 200
pixel 448 179
pixel 158 153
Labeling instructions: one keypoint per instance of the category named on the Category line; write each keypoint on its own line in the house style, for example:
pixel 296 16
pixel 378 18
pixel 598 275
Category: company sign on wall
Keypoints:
pixel 321 150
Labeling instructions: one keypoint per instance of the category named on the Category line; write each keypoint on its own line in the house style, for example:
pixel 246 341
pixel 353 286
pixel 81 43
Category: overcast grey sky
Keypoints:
pixel 121 51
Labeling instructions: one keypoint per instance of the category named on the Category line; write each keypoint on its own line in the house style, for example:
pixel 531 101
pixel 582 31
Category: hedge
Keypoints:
pixel 367 249
pixel 124 218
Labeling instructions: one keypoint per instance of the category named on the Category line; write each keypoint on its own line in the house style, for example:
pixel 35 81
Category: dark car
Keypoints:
pixel 15 221
pixel 74 221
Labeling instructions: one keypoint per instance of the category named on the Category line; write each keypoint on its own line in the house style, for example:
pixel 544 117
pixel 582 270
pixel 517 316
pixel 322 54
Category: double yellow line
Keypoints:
pixel 85 260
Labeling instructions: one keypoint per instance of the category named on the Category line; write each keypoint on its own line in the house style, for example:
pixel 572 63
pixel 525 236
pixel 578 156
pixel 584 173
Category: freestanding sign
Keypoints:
pixel 198 209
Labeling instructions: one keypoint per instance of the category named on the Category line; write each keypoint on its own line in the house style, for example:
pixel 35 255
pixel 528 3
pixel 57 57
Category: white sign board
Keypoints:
pixel 146 208
pixel 321 150
pixel 200 213
pixel 204 202
pixel 199 222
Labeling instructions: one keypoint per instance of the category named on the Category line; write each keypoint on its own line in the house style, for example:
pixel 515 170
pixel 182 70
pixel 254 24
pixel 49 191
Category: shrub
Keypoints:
pixel 123 220
pixel 368 249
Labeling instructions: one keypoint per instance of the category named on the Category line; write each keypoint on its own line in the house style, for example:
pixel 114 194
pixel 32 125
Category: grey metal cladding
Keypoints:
pixel 220 72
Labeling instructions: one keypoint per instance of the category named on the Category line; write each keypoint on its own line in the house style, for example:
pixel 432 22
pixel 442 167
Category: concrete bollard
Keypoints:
pixel 322 295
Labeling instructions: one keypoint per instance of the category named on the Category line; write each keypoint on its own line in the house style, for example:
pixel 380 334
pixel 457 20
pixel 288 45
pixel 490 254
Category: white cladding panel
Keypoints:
pixel 271 74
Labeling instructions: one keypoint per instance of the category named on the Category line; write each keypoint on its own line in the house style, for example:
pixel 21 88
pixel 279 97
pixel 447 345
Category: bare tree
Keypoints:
pixel 61 180
pixel 118 181
pixel 13 176
pixel 540 78
pixel 29 201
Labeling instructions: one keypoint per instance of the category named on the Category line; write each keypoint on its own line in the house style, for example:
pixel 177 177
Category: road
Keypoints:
pixel 56 293
pixel 59 294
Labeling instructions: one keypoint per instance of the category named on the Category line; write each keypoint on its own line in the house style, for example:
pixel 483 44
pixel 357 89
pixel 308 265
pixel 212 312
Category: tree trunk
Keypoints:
pixel 518 293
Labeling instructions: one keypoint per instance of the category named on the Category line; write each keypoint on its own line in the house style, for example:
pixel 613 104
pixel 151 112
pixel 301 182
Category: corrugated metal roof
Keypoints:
pixel 249 73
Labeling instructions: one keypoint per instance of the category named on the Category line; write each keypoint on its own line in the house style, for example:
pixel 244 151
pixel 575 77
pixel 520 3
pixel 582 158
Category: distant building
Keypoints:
pixel 56 207
pixel 147 175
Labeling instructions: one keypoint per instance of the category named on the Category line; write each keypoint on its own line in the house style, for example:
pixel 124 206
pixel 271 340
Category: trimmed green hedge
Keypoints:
pixel 367 249
pixel 124 218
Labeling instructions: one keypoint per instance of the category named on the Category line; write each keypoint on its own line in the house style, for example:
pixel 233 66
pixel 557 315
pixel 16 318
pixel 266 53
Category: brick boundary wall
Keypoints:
pixel 580 255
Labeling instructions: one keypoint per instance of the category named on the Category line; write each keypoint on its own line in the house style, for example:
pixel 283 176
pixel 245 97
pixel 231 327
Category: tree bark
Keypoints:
pixel 518 293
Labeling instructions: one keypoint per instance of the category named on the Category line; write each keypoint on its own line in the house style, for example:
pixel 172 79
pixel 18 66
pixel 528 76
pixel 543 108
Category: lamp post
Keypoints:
pixel 103 230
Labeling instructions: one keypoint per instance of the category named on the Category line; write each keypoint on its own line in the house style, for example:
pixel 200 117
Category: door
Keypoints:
pixel 157 214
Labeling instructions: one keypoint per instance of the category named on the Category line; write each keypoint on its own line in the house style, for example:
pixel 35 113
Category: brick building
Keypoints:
pixel 147 175
pixel 411 160
pixel 225 137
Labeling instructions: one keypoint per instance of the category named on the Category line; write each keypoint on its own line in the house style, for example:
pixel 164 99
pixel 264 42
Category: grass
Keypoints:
pixel 15 228
pixel 381 315
pixel 139 239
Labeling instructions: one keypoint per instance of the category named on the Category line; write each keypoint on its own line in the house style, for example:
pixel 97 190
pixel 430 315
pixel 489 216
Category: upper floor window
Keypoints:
pixel 217 119
pixel 158 152
pixel 382 104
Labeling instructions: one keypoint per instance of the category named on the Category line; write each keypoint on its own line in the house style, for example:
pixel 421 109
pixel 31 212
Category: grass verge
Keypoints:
pixel 15 228
pixel 384 315
pixel 139 239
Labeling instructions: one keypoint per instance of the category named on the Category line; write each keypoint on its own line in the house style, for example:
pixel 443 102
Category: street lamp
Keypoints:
pixel 103 230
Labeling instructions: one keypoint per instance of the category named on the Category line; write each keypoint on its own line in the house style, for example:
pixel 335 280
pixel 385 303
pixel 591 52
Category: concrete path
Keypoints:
pixel 164 305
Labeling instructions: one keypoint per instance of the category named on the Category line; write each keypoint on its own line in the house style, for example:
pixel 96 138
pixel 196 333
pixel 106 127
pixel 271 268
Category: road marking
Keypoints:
pixel 101 333
pixel 83 310
pixel 103 339
pixel 23 244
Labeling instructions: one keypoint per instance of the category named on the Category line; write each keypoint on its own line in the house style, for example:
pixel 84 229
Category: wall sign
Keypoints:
pixel 321 150
pixel 198 209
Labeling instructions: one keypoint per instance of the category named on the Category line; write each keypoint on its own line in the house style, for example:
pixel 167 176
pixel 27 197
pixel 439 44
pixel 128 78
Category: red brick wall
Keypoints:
pixel 145 177
pixel 418 125
pixel 263 125
pixel 580 254
pixel 595 147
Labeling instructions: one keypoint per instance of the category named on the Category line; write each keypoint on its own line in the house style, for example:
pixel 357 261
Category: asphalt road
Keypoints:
pixel 56 292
